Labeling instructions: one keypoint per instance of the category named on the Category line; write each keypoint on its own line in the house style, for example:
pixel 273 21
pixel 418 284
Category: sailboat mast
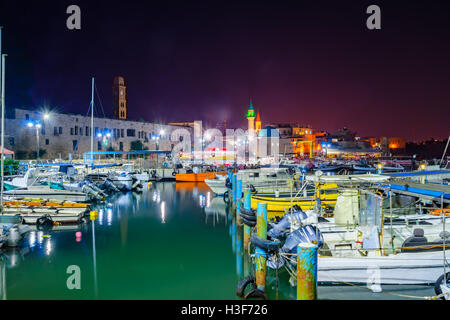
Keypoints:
pixel 92 121
pixel 445 151
pixel 2 68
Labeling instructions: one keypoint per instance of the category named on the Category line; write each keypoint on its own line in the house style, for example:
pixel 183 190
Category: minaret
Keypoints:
pixel 120 98
pixel 251 118
pixel 258 123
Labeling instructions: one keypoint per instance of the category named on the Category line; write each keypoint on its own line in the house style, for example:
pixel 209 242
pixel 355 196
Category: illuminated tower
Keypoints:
pixel 120 98
pixel 258 123
pixel 251 118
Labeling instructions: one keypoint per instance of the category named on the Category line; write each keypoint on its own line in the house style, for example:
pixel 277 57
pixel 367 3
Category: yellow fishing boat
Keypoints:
pixel 327 193
pixel 43 203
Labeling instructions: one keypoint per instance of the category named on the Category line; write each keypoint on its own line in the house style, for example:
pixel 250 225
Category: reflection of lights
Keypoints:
pixel 32 239
pixel 40 237
pixel 156 196
pixel 109 217
pixel 48 247
pixel 100 217
pixel 208 199
pixel 163 212
pixel 202 200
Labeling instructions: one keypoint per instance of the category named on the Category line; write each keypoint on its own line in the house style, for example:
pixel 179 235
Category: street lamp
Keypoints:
pixel 37 125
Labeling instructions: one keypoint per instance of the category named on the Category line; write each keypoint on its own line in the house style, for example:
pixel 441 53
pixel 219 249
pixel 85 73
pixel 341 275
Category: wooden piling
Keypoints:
pixel 307 271
pixel 247 229
pixel 260 254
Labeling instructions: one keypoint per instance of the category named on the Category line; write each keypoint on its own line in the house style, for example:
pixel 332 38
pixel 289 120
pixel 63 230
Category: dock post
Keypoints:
pixel 307 271
pixel 239 251
pixel 238 201
pixel 260 254
pixel 247 229
pixel 234 183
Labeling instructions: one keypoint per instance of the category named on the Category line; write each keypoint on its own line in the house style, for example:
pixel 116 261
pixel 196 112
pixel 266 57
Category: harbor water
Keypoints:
pixel 172 241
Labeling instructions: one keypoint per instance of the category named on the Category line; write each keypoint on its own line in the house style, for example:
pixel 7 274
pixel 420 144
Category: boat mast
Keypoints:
pixel 92 122
pixel 445 151
pixel 2 68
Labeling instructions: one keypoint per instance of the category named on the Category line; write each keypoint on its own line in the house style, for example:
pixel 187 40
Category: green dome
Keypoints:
pixel 251 110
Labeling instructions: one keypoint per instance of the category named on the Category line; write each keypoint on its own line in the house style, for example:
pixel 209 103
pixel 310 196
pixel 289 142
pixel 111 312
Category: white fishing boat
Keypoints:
pixel 45 192
pixel 264 180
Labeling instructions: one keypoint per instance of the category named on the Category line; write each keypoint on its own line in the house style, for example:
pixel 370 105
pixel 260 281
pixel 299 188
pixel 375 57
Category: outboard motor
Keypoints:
pixel 92 193
pixel 136 184
pixel 110 186
pixel 305 234
pixel 100 191
pixel 295 219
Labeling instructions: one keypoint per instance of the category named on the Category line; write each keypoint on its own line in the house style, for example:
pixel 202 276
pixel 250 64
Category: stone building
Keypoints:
pixel 64 135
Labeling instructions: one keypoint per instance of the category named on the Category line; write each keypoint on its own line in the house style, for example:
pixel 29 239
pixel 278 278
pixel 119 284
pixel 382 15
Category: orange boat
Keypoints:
pixel 197 177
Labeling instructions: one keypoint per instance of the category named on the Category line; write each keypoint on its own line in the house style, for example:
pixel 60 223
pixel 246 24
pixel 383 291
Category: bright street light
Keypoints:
pixel 46 116
pixel 30 124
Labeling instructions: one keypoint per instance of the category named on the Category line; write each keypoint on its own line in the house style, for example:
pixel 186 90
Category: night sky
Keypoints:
pixel 312 62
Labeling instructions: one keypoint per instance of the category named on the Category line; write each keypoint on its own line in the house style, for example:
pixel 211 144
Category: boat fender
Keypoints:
pixel 248 217
pixel 228 183
pixel 248 212
pixel 265 244
pixel 249 223
pixel 255 293
pixel 439 282
pixel 226 197
pixel 243 284
pixel 253 189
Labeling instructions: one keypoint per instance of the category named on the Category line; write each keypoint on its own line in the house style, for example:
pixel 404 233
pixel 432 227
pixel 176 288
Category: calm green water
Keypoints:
pixel 173 241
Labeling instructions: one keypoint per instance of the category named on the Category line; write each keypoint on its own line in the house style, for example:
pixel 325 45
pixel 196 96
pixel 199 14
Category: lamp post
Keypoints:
pixel 37 125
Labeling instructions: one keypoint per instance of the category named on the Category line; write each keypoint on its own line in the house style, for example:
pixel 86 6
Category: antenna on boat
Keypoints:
pixel 92 123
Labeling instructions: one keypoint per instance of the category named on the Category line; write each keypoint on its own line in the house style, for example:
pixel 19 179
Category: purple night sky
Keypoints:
pixel 312 62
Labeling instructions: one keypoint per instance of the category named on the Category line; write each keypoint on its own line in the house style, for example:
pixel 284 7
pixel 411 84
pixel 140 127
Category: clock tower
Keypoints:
pixel 120 98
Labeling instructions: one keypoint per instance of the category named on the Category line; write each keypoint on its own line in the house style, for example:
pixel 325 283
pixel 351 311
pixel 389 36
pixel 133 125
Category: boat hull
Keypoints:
pixel 197 177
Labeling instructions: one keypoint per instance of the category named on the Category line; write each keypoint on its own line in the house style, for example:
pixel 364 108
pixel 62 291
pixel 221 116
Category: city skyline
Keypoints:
pixel 308 63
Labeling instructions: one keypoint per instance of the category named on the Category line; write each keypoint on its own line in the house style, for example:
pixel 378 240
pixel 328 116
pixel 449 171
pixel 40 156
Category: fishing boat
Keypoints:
pixel 326 194
pixel 56 216
pixel 363 168
pixel 48 193
pixel 198 176
pixel 264 180
pixel 43 203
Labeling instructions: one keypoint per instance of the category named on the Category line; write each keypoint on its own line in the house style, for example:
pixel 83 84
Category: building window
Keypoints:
pixel 11 141
pixel 55 131
pixel 27 117
pixel 71 131
pixel 131 133
pixel 121 133
pixel 60 130
pixel 99 145
pixel 76 130
pixel 47 142
pixel 74 144
pixel 121 146
pixel 87 131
